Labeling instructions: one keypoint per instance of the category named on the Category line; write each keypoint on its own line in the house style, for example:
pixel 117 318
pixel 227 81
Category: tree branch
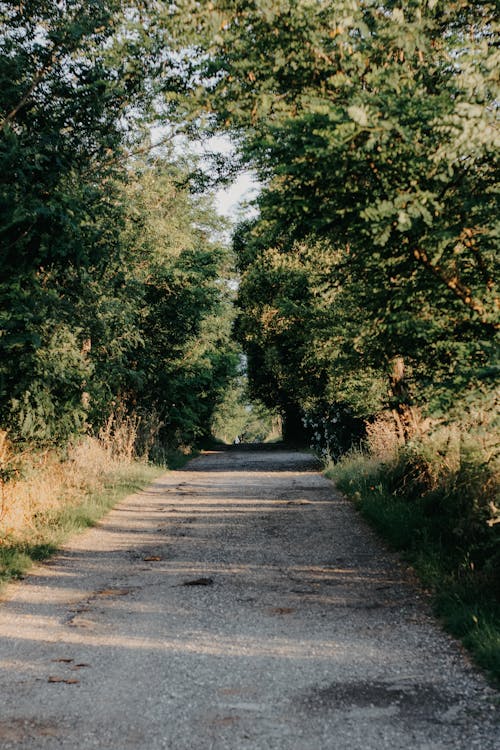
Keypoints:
pixel 459 289
pixel 37 79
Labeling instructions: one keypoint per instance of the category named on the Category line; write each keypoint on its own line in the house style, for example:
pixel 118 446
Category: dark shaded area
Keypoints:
pixel 258 457
pixel 424 700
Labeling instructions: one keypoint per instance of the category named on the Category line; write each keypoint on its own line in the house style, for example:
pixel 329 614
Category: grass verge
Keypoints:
pixel 456 562
pixel 50 528
pixel 51 498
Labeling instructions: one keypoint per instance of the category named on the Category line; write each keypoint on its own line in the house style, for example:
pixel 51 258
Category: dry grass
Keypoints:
pixel 440 446
pixel 37 485
pixel 382 438
pixel 44 483
pixel 46 497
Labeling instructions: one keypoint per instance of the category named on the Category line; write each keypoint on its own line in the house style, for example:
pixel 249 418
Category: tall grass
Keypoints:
pixel 435 499
pixel 46 496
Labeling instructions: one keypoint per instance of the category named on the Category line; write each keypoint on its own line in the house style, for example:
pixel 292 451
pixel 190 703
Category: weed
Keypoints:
pixel 434 500
pixel 51 498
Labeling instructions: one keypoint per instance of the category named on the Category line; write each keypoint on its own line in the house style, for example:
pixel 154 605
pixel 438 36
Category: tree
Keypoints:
pixel 373 127
pixel 109 282
pixel 240 419
pixel 59 120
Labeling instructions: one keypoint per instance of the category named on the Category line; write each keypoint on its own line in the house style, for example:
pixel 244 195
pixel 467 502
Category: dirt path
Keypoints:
pixel 297 632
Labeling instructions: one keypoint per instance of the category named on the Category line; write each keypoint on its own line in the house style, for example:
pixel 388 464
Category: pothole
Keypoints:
pixel 422 701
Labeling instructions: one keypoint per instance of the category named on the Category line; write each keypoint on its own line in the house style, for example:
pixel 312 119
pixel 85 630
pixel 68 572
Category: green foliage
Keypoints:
pixel 436 502
pixel 61 101
pixel 184 356
pixel 297 324
pixel 373 130
pixel 239 418
pixel 51 407
pixel 109 286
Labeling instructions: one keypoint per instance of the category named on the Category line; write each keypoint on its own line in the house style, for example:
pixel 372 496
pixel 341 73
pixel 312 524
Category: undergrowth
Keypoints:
pixel 435 501
pixel 49 529
pixel 47 496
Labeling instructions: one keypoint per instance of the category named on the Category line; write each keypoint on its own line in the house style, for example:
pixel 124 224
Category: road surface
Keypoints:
pixel 238 603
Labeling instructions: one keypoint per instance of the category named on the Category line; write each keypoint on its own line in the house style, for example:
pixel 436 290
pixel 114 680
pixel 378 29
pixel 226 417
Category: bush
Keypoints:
pixel 434 499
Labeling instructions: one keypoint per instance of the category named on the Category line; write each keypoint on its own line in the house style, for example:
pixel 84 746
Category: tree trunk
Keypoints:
pixel 294 432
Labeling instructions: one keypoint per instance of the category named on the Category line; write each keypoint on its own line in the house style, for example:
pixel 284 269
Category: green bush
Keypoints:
pixel 438 508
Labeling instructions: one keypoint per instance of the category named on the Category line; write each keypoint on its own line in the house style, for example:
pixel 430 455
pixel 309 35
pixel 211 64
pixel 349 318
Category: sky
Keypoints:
pixel 230 201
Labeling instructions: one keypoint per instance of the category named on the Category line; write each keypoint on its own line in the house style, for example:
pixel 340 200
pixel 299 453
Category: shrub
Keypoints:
pixel 434 499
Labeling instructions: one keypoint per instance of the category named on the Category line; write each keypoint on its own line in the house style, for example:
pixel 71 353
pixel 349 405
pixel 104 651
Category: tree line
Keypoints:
pixel 367 277
pixel 113 291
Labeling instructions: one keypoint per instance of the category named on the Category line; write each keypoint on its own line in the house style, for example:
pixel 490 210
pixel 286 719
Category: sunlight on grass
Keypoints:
pixel 53 498
pixel 433 507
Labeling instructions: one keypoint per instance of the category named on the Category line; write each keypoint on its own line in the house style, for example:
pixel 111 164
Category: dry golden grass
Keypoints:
pixel 36 485
pixel 438 454
pixel 382 438
pixel 44 483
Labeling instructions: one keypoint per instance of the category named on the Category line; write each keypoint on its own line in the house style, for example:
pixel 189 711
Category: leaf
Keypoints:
pixel 358 114
pixel 66 681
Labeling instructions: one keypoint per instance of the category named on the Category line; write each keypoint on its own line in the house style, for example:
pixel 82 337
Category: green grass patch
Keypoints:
pixel 49 530
pixel 444 536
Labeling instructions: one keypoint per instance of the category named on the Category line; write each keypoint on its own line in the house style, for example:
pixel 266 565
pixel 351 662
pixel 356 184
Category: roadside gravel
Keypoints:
pixel 238 603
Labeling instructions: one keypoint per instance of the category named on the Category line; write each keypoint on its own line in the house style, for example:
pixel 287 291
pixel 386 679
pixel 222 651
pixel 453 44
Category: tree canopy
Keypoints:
pixel 112 270
pixel 374 131
pixel 367 278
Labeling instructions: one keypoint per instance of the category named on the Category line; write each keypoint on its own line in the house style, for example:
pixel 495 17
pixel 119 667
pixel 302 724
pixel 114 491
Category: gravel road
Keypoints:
pixel 238 603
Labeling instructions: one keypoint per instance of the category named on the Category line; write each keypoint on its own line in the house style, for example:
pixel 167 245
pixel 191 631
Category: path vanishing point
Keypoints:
pixel 238 603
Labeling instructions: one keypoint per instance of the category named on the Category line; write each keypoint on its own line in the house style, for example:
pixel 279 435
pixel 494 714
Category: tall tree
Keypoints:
pixel 108 281
pixel 374 126
pixel 66 98
pixel 184 357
